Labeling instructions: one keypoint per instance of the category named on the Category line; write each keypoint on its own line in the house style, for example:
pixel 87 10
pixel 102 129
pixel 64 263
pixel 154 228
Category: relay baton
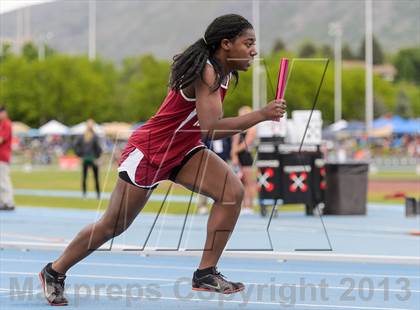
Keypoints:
pixel 281 83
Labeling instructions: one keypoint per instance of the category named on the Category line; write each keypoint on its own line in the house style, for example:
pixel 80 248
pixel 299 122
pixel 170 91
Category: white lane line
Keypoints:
pixel 269 271
pixel 16 294
pixel 32 237
pixel 298 256
pixel 181 281
pixel 22 273
pixel 221 300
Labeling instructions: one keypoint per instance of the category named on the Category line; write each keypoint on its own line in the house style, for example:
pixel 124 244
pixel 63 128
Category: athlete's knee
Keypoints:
pixel 110 229
pixel 233 194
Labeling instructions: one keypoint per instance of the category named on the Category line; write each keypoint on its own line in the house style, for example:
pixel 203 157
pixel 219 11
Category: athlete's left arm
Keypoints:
pixel 210 112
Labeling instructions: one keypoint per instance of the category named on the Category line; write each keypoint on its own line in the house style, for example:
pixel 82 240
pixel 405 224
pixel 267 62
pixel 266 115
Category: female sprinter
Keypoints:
pixel 169 146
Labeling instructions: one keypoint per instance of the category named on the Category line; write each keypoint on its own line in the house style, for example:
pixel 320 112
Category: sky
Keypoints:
pixel 9 5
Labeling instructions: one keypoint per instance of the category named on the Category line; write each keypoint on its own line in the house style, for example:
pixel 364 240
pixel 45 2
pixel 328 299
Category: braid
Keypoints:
pixel 189 65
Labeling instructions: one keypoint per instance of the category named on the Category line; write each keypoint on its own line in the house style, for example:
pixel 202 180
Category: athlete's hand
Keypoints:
pixel 274 110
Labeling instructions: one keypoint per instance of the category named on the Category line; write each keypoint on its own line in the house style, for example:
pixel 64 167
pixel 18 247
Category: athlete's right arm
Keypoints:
pixel 210 111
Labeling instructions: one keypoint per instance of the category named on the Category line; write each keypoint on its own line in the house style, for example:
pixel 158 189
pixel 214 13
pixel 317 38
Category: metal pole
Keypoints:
pixel 256 68
pixel 337 83
pixel 41 50
pixel 92 30
pixel 336 31
pixel 44 39
pixel 369 64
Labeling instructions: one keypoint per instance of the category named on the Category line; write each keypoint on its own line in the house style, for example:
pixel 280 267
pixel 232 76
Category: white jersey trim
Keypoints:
pixel 130 165
pixel 195 147
pixel 185 97
pixel 225 86
pixel 189 117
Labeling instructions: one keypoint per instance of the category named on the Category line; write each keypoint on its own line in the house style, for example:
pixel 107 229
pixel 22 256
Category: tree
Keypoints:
pixel 6 51
pixel 143 86
pixel 407 63
pixel 307 50
pixel 378 54
pixel 72 88
pixel 67 88
pixel 30 51
pixel 379 107
pixel 327 51
pixel 278 46
pixel 347 53
pixel 403 105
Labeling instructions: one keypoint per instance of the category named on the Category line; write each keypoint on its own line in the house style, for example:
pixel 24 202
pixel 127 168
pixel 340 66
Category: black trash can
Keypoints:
pixel 412 206
pixel 346 188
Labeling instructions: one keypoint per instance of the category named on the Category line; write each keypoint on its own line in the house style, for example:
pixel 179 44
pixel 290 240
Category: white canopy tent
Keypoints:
pixel 53 127
pixel 339 125
pixel 19 128
pixel 117 130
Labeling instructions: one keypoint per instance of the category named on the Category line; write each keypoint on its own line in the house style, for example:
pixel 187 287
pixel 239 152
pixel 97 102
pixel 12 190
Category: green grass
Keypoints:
pixel 71 180
pixel 54 179
pixel 91 204
pixel 380 198
pixel 395 176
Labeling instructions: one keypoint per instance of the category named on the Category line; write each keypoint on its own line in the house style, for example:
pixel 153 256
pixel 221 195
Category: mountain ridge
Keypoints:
pixel 163 28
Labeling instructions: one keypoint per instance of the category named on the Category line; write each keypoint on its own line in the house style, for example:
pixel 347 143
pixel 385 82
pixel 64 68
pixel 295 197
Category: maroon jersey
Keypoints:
pixel 156 150
pixel 173 131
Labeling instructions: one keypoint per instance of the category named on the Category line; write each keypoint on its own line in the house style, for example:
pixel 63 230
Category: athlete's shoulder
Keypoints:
pixel 209 76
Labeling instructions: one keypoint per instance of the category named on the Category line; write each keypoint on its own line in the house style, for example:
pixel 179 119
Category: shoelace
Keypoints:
pixel 219 274
pixel 59 287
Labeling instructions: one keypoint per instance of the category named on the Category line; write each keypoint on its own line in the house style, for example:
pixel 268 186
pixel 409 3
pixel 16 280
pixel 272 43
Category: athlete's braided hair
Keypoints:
pixel 189 65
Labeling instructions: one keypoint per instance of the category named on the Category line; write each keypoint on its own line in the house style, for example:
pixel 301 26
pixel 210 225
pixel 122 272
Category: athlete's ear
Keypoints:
pixel 226 44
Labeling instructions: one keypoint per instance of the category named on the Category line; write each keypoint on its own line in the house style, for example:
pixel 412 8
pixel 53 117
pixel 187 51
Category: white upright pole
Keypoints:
pixel 369 64
pixel 41 50
pixel 337 63
pixel 335 30
pixel 44 39
pixel 92 30
pixel 256 68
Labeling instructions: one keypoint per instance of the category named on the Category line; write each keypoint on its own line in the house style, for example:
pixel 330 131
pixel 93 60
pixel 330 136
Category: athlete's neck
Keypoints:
pixel 223 61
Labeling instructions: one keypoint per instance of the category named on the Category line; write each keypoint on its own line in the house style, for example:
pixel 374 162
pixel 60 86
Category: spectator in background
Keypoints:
pixel 241 156
pixel 88 149
pixel 6 189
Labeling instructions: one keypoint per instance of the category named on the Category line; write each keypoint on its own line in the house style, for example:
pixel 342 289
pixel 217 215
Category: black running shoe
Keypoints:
pixel 53 287
pixel 215 282
pixel 6 208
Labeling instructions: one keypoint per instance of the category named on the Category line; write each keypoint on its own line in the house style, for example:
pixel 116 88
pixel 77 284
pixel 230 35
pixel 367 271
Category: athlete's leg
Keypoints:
pixel 95 168
pixel 206 173
pixel 126 202
pixel 84 177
